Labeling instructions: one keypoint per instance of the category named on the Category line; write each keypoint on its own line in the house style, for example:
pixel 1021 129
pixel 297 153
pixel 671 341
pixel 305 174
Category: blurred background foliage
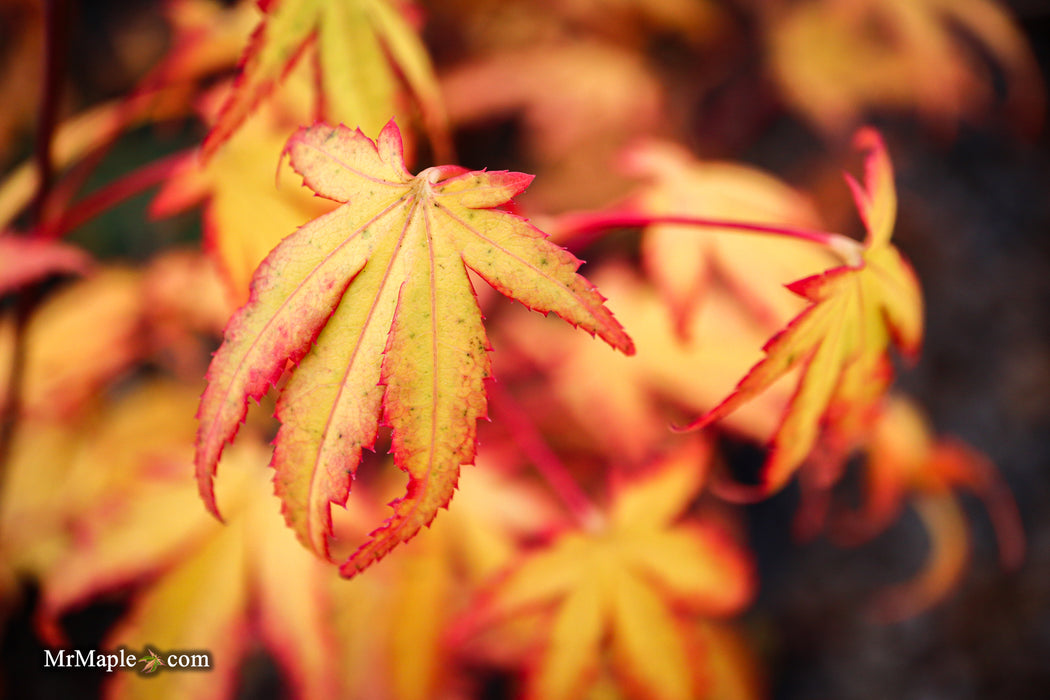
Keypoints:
pixel 559 88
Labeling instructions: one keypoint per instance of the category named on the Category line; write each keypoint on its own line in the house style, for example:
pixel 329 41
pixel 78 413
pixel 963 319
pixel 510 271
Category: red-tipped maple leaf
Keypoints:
pixel 373 303
pixel 361 47
pixel 842 338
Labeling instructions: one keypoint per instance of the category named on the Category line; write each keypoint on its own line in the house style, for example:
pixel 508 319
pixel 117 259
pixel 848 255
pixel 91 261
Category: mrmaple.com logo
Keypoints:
pixel 147 662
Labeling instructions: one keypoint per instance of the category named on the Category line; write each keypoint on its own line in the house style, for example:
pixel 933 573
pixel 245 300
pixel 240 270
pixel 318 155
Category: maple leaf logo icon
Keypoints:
pixel 151 661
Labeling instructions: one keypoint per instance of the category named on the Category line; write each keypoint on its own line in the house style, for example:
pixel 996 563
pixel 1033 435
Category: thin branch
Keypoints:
pixel 55 15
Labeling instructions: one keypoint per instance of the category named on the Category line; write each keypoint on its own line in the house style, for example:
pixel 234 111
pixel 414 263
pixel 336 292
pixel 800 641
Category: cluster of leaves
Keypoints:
pixel 587 549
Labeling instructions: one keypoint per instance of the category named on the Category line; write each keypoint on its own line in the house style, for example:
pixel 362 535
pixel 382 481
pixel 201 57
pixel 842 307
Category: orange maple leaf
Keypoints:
pixel 906 461
pixel 374 303
pixel 842 338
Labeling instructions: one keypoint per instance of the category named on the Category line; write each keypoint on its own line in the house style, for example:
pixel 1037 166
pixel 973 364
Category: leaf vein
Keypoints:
pixel 353 355
pixel 240 366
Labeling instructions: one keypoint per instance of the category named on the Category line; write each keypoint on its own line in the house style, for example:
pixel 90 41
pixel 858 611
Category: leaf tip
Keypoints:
pixel 206 486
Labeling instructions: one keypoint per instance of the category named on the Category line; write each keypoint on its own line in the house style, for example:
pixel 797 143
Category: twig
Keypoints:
pixel 54 68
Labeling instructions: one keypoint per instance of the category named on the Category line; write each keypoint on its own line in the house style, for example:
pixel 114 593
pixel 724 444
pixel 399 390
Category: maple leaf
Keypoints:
pixel 392 624
pixel 625 589
pixel 211 587
pixel 905 460
pixel 357 82
pixel 79 339
pixel 622 405
pixel 841 339
pixel 373 302
pixel 685 263
pixel 150 662
pixel 244 217
pixel 835 59
pixel 206 586
pixel 112 460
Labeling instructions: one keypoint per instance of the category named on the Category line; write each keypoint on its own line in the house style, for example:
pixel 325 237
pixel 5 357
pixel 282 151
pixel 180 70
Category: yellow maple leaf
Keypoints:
pixel 835 59
pixel 392 624
pixel 362 46
pixel 245 216
pixel 214 587
pixel 842 338
pixel 130 513
pixel 113 459
pixel 373 303
pixel 627 589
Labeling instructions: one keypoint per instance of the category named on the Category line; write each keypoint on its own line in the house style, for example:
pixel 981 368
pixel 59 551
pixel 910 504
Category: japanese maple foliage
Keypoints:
pixel 628 590
pixel 841 339
pixel 383 276
pixel 370 292
pixel 355 79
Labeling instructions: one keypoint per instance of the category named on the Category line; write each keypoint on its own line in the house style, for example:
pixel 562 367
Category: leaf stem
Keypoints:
pixel 575 231
pixel 547 463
